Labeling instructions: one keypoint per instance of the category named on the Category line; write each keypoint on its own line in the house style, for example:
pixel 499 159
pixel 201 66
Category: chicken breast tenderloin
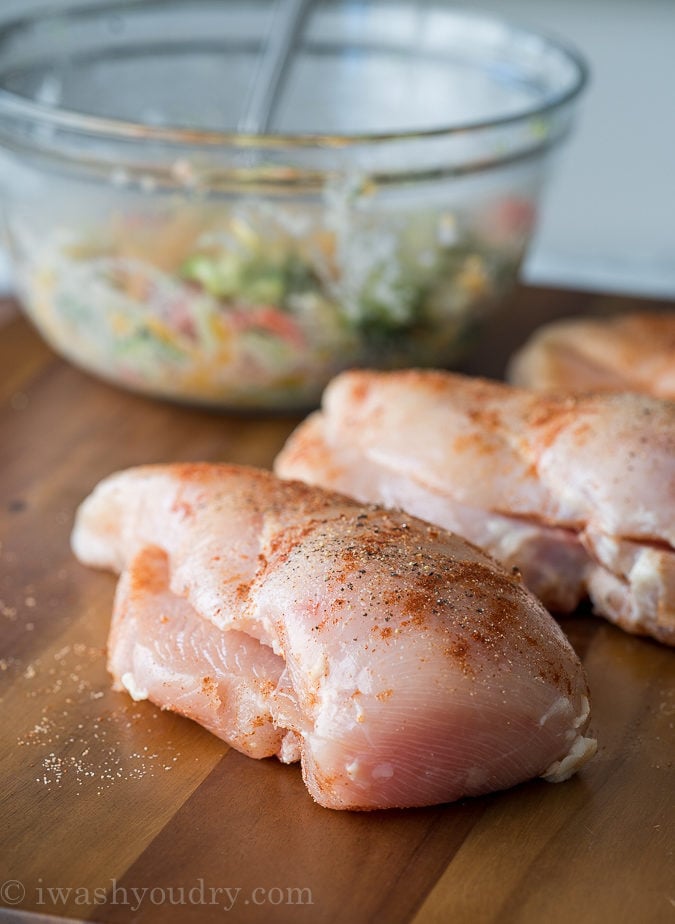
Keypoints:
pixel 397 662
pixel 578 492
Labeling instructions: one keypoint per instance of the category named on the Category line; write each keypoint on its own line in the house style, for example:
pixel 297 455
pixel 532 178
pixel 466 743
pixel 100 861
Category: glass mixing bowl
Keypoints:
pixel 379 218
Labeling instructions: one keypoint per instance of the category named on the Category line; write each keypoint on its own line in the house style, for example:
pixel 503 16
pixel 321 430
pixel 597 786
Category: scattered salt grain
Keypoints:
pixel 9 612
pixel 93 752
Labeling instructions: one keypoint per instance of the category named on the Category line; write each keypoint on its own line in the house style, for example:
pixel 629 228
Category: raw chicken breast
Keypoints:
pixel 634 352
pixel 576 492
pixel 396 661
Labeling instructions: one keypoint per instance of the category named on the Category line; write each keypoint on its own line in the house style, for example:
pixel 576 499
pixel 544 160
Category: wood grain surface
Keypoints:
pixel 114 811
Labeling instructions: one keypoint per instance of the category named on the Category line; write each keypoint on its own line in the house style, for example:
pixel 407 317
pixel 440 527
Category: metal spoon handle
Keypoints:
pixel 287 25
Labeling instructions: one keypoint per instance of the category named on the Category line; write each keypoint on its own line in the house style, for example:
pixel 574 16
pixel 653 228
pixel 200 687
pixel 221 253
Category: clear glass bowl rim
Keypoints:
pixel 14 105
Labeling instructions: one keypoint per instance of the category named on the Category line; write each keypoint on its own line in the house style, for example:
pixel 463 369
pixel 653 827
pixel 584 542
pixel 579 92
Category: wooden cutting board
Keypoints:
pixel 115 811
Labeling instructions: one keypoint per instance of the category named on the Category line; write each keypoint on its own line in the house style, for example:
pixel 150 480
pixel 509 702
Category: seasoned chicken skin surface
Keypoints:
pixel 578 492
pixel 395 660
pixel 633 352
